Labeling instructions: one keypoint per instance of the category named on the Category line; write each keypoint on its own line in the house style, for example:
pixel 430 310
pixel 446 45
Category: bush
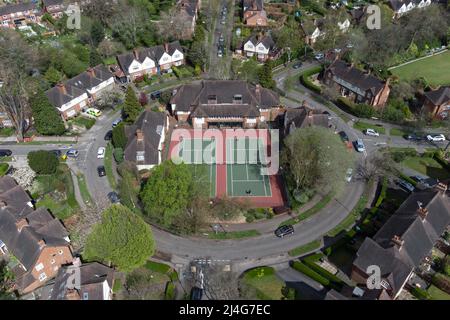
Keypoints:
pixel 420 294
pixel 170 291
pixel 306 81
pixel 119 139
pixel 118 155
pixel 4 167
pixel 43 162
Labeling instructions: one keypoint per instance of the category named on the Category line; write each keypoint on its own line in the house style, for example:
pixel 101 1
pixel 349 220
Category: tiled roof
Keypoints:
pixel 439 96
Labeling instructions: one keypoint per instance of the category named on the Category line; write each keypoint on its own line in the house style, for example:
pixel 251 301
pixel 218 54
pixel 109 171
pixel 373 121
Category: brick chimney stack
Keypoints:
pixel 166 47
pixel 136 54
pixel 62 88
pixel 22 223
pixel 91 72
pixel 442 188
pixel 139 135
pixel 397 241
pixel 422 212
pixel 41 243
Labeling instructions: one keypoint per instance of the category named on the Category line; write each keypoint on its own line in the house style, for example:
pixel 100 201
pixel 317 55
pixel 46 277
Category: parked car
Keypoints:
pixel 113 197
pixel 359 145
pixel 371 132
pixel 5 153
pixel 349 175
pixel 116 122
pixel 284 231
pixel 319 56
pixel 101 171
pixel 413 137
pixel 196 293
pixel 108 135
pixel 344 136
pixel 57 153
pixel 436 137
pixel 221 39
pixel 94 112
pixel 419 179
pixel 101 153
pixel 297 65
pixel 72 153
pixel 155 95
pixel 405 185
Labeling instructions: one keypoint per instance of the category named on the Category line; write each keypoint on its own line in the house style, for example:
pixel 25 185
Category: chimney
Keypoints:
pixel 139 135
pixel 166 47
pixel 76 262
pixel 41 243
pixel 422 212
pixel 91 72
pixel 397 242
pixel 3 204
pixel 136 54
pixel 22 223
pixel 310 113
pixel 258 92
pixel 442 187
pixel 62 88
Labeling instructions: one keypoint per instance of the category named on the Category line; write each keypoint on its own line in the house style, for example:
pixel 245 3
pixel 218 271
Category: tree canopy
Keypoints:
pixel 43 162
pixel 122 238
pixel 47 121
pixel 131 107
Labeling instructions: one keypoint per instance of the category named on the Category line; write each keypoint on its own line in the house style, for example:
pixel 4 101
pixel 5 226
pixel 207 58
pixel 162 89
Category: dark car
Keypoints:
pixel 101 171
pixel 155 95
pixel 108 135
pixel 344 136
pixel 113 197
pixel 57 153
pixel 5 153
pixel 405 185
pixel 298 65
pixel 284 231
pixel 413 137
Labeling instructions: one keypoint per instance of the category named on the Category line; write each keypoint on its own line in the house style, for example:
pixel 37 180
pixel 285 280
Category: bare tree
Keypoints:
pixel 173 24
pixel 376 165
pixel 101 10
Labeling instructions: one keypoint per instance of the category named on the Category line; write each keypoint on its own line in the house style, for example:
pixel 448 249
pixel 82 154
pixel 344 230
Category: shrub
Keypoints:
pixel 447 265
pixel 420 294
pixel 118 155
pixel 306 81
pixel 119 139
pixel 43 162
pixel 301 267
pixel 4 167
pixel 170 291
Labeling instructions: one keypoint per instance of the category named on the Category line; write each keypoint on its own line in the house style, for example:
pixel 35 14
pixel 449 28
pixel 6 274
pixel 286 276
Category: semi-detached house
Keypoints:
pixel 150 61
pixel 74 95
pixel 261 46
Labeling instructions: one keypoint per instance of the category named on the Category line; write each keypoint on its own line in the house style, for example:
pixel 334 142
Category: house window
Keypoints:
pixel 140 156
pixel 39 267
pixel 42 276
pixel 237 99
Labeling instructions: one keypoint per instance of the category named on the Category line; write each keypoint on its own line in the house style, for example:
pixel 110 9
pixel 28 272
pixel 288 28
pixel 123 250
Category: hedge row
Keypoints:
pixel 306 81
pixel 382 195
pixel 324 273
pixel 301 267
pixel 170 291
pixel 444 163
pixel 408 179
pixel 420 294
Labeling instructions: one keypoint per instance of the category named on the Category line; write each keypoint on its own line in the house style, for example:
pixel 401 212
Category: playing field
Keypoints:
pixel 244 178
pixel 434 69
pixel 200 155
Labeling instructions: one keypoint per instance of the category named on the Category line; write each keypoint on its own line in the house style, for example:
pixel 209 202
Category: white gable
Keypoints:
pixel 177 56
pixel 166 58
pixel 148 63
pixel 260 48
pixel 248 46
pixel 343 26
pixel 135 66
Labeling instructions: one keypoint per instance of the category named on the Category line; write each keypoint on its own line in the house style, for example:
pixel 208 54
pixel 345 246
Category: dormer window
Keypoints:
pixel 212 99
pixel 237 99
pixel 140 156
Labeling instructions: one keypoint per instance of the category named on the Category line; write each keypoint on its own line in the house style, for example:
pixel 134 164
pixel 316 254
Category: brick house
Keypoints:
pixel 74 95
pixel 303 117
pixel 145 139
pixel 261 46
pixel 225 103
pixel 356 85
pixel 437 102
pixel 56 8
pixel 189 10
pixel 405 241
pixel 15 15
pixel 39 243
pixel 254 14
pixel 151 61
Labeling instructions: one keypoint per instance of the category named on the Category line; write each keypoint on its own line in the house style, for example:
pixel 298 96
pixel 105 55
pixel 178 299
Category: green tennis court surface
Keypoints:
pixel 200 155
pixel 244 178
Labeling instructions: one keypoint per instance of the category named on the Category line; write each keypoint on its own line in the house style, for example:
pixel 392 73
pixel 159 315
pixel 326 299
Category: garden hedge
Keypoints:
pixel 420 294
pixel 170 291
pixel 304 79
pixel 301 267
pixel 334 280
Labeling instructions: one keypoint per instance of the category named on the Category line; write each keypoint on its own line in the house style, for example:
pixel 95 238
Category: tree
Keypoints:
pixel 376 165
pixel 197 55
pixel 131 108
pixel 316 159
pixel 97 33
pixel 43 162
pixel 95 58
pixel 6 281
pixel 143 100
pixel 53 76
pixel 129 185
pixel 265 76
pixel 119 139
pixel 167 192
pixel 47 121
pixel 173 24
pixel 228 209
pixel 122 238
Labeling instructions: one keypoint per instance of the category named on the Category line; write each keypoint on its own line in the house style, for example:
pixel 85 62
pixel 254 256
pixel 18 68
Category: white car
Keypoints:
pixel 359 145
pixel 101 153
pixel 436 137
pixel 319 56
pixel 372 132
pixel 349 175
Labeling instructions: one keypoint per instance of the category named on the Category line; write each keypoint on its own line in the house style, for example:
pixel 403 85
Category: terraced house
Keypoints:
pixel 401 7
pixel 15 15
pixel 356 85
pixel 151 61
pixel 72 96
pixel 189 10
pixel 35 243
pixel 225 103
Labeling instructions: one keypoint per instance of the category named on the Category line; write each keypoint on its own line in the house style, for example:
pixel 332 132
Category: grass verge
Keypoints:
pixel 109 166
pixel 234 235
pixel 84 189
pixel 364 125
pixel 313 245
pixel 351 218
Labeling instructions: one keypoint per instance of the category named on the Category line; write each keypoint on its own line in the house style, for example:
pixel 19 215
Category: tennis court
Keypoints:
pixel 244 169
pixel 200 155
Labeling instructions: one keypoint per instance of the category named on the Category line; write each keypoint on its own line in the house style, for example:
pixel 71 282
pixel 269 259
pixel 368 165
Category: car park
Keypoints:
pixel 349 175
pixel 371 132
pixel 113 197
pixel 297 65
pixel 72 153
pixel 94 112
pixel 101 171
pixel 108 135
pixel 436 137
pixel 5 153
pixel 101 153
pixel 116 122
pixel 284 231
pixel 405 185
pixel 359 145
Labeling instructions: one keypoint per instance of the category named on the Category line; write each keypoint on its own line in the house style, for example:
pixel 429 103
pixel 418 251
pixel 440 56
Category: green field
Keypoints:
pixel 266 284
pixel 427 166
pixel 433 69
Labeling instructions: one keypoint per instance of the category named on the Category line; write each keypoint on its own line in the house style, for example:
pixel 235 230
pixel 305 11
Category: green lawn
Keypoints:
pixel 364 125
pixel 109 166
pixel 432 69
pixel 427 166
pixel 268 286
pixel 84 189
pixel 234 235
pixel 437 294
pixel 84 122
pixel 305 248
pixel 6 132
pixel 398 132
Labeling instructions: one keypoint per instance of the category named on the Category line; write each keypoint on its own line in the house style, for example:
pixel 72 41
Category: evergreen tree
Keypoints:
pixel 53 76
pixel 47 120
pixel 94 58
pixel 265 76
pixel 131 108
pixel 97 33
